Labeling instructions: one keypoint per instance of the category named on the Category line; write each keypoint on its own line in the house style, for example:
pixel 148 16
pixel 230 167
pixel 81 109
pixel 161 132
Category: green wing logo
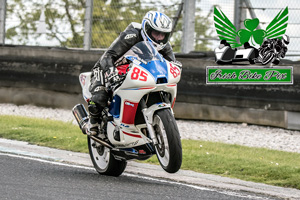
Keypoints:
pixel 227 31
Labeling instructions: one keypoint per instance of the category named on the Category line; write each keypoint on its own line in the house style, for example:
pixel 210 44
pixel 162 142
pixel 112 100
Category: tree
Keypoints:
pixel 60 15
pixel 65 21
pixel 110 18
pixel 65 18
pixel 202 30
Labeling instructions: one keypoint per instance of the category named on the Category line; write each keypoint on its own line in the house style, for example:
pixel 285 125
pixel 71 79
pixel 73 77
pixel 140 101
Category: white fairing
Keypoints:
pixel 130 93
pixel 85 82
pixel 148 73
pixel 226 54
pixel 243 53
pixel 220 51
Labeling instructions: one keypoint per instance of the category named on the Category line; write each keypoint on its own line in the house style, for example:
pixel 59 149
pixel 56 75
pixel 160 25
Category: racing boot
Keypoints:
pixel 94 119
pixel 93 127
pixel 98 101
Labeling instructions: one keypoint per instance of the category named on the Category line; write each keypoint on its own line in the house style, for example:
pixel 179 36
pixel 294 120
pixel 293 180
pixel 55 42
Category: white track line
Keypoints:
pixel 230 193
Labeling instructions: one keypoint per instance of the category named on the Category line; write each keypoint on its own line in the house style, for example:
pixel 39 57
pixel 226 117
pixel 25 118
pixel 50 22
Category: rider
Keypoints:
pixel 278 44
pixel 156 27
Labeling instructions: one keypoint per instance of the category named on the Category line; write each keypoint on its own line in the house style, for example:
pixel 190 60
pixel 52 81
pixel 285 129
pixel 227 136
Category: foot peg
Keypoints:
pixel 107 119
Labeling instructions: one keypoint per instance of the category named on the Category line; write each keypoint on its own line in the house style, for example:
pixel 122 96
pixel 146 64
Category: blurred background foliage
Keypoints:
pixel 64 22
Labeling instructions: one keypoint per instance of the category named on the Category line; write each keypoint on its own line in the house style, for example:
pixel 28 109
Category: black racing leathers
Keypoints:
pixel 128 38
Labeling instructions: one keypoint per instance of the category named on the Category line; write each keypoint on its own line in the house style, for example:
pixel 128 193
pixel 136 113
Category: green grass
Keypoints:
pixel 43 132
pixel 252 164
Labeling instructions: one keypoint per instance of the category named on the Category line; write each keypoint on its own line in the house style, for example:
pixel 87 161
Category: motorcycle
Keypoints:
pixel 226 55
pixel 271 52
pixel 139 121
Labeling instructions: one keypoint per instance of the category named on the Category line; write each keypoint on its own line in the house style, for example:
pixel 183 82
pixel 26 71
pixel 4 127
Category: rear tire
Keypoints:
pixel 168 150
pixel 103 161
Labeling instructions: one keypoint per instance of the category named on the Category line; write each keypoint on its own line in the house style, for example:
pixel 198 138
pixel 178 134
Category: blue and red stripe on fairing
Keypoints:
pixel 132 135
pixel 142 88
pixel 172 85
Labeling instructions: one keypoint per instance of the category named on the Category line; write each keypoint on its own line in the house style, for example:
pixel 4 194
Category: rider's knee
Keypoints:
pixel 100 98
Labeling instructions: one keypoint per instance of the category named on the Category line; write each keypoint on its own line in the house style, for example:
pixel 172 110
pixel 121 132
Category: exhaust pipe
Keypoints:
pixel 82 119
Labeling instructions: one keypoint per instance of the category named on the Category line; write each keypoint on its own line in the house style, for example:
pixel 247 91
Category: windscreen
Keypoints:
pixel 143 51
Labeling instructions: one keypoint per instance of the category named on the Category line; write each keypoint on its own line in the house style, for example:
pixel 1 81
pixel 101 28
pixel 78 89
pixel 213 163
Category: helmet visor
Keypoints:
pixel 157 36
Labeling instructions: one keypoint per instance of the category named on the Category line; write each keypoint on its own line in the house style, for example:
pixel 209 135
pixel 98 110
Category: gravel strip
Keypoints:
pixel 232 133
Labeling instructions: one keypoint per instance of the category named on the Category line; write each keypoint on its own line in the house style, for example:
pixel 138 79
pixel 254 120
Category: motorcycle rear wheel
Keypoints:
pixel 168 150
pixel 103 161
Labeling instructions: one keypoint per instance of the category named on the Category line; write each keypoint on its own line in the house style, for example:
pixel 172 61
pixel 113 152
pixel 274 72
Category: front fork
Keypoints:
pixel 148 116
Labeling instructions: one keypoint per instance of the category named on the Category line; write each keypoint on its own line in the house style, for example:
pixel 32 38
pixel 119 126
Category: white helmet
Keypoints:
pixel 285 39
pixel 159 22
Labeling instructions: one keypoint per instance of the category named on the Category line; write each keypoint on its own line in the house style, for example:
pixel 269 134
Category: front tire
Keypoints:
pixel 103 161
pixel 168 150
pixel 268 58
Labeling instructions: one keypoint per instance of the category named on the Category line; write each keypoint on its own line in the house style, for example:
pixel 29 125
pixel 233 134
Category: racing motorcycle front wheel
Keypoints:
pixel 168 150
pixel 103 161
pixel 268 57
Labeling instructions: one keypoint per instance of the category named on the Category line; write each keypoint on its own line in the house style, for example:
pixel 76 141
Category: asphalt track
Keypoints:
pixel 24 178
pixel 33 172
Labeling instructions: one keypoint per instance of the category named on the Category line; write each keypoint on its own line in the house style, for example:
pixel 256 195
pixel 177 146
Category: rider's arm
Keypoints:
pixel 118 48
pixel 167 53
